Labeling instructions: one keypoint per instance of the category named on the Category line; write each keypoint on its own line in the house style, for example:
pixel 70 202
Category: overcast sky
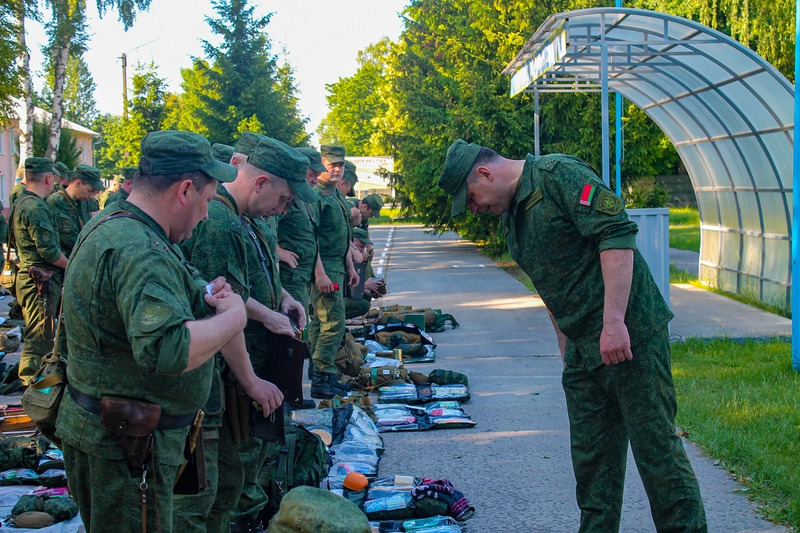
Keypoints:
pixel 322 39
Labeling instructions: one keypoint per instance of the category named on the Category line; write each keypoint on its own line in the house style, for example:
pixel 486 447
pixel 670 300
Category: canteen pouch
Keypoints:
pixel 42 398
pixel 8 276
pixel 132 423
pixel 41 277
pixel 192 475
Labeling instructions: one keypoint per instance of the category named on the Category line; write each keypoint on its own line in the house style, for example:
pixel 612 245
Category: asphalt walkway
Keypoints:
pixel 514 466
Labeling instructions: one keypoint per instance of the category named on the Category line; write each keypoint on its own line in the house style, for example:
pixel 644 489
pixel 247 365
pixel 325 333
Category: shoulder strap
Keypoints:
pixel 12 240
pixel 221 199
pixel 260 242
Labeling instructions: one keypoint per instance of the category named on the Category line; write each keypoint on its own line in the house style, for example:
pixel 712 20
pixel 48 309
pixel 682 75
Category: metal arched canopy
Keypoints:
pixel 729 113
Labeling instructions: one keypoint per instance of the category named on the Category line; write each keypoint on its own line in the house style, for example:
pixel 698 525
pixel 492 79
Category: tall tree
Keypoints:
pixel 240 85
pixel 79 104
pixel 67 32
pixel 356 102
pixel 24 9
pixel 9 50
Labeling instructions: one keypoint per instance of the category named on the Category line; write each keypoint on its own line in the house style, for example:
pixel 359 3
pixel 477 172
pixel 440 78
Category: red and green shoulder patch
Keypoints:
pixel 587 194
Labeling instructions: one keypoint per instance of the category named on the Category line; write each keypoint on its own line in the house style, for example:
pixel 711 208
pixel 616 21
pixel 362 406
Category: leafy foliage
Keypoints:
pixel 240 86
pixel 645 192
pixel 79 103
pixel 68 152
pixel 9 81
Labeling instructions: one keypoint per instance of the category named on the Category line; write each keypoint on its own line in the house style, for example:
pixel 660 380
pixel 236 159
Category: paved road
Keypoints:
pixel 514 466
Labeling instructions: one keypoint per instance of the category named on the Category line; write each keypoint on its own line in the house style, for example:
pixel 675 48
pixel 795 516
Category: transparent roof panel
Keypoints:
pixel 729 113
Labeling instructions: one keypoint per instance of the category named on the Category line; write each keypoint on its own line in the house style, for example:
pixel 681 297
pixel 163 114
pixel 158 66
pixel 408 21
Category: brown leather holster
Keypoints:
pixel 132 423
pixel 41 277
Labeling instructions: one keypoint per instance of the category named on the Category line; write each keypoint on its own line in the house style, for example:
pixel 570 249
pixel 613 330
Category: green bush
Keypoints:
pixel 645 192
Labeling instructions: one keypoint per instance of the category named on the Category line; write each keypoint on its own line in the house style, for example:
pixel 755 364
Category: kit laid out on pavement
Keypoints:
pixel 433 415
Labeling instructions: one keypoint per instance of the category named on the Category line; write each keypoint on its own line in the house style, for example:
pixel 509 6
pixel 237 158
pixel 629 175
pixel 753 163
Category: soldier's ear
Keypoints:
pixel 485 172
pixel 260 182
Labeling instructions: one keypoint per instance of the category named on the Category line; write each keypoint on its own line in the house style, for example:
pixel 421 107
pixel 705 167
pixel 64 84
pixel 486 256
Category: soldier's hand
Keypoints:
pixel 324 283
pixel 294 309
pixel 227 301
pixel 219 285
pixel 278 323
pixel 266 394
pixel 352 278
pixel 615 343
pixel 288 257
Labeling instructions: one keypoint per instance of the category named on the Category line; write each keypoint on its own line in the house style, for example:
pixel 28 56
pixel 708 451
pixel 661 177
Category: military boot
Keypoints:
pixel 321 386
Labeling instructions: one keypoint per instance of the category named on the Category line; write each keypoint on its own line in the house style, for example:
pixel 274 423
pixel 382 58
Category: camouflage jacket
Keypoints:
pixel 119 194
pixel 560 219
pixel 124 320
pixel 297 232
pixel 335 231
pixel 69 218
pixel 35 232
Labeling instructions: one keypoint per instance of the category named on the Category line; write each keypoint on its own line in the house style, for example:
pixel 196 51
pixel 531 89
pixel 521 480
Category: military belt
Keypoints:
pixel 90 403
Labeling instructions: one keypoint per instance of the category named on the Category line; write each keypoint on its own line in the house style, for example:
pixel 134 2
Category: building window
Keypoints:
pixel 2 142
pixel 13 135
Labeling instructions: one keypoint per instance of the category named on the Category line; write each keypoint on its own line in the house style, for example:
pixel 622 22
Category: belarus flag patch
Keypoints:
pixel 587 194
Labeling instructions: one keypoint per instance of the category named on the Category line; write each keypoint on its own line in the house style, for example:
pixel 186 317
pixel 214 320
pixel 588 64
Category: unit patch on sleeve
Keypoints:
pixel 608 203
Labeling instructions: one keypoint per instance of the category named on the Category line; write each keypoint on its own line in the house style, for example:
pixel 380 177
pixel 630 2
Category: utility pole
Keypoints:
pixel 124 59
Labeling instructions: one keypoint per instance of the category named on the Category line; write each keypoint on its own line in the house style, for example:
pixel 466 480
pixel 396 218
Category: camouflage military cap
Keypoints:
pixel 88 174
pixel 175 152
pixel 222 152
pixel 334 154
pixel 361 235
pixel 313 510
pixel 375 203
pixel 61 170
pixel 279 159
pixel 37 165
pixel 314 157
pixel 129 173
pixel 458 163
pixel 350 173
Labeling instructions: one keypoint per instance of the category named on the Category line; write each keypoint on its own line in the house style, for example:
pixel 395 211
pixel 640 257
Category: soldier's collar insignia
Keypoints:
pixel 587 194
pixel 534 198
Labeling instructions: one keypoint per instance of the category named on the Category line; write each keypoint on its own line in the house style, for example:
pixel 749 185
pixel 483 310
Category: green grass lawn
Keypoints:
pixel 739 401
pixel 684 228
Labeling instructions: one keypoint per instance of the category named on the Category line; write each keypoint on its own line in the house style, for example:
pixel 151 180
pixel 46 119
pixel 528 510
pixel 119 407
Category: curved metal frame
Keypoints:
pixel 708 93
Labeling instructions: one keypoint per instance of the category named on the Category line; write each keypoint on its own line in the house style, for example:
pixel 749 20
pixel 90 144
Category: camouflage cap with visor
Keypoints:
pixel 314 157
pixel 222 152
pixel 362 235
pixel 61 169
pixel 375 203
pixel 37 165
pixel 175 152
pixel 458 163
pixel 279 159
pixel 88 174
pixel 334 154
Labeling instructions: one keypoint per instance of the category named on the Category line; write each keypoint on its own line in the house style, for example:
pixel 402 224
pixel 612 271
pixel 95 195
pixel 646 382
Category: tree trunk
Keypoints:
pixel 25 109
pixel 60 56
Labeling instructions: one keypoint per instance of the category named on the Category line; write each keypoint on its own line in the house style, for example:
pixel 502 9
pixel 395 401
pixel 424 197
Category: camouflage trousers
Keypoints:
pixel 108 495
pixel 209 510
pixel 298 287
pixel 327 326
pixel 40 325
pixel 631 401
pixel 253 453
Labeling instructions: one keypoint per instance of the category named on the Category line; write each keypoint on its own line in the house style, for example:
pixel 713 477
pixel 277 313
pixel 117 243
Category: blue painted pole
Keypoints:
pixel 619 138
pixel 796 201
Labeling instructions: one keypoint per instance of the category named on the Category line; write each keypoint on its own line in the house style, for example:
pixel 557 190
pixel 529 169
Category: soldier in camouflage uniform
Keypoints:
pixel 232 242
pixel 572 236
pixel 125 187
pixel 35 235
pixel 334 267
pixel 15 192
pixel 143 324
pixel 369 207
pixel 66 203
pixel 297 237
